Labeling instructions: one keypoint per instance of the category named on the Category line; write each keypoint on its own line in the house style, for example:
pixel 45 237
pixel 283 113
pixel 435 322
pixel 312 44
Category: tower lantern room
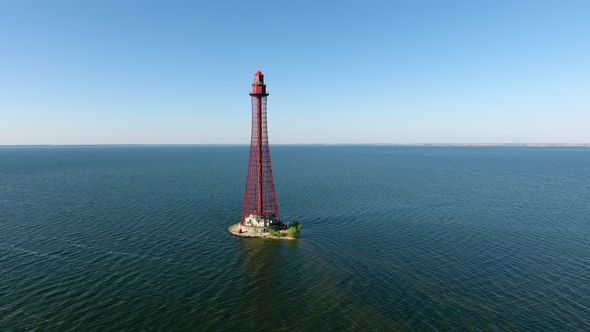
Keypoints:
pixel 258 87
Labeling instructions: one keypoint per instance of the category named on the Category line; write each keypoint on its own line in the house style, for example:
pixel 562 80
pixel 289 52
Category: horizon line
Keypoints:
pixel 302 144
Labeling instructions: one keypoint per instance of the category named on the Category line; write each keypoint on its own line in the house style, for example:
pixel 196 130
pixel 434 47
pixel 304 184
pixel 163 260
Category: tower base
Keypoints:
pixel 251 231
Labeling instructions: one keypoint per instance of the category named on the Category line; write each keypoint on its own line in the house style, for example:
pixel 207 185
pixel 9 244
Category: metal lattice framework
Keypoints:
pixel 260 197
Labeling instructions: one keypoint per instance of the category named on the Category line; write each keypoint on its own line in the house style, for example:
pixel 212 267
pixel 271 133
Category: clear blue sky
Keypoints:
pixel 165 72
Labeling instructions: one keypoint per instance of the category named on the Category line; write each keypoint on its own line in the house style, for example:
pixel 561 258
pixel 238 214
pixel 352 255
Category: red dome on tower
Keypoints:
pixel 258 87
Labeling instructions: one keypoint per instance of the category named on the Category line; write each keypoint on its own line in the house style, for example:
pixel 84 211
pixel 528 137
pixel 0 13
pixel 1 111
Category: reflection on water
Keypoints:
pixel 262 282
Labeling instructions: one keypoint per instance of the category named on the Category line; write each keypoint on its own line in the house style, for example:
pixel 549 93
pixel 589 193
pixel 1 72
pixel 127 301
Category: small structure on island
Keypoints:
pixel 260 211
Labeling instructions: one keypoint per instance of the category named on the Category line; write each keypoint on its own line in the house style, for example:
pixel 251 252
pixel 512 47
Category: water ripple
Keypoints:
pixel 394 239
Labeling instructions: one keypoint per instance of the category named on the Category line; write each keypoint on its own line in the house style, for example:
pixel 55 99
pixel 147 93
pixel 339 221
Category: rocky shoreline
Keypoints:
pixel 248 231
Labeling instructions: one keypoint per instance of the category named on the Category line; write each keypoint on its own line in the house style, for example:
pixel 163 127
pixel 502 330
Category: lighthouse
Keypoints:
pixel 260 208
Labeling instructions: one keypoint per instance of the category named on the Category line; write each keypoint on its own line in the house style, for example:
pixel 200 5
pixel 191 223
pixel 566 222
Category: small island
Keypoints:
pixel 289 231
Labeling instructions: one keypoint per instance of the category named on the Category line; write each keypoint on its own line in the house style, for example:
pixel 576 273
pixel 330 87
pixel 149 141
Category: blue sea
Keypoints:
pixel 134 238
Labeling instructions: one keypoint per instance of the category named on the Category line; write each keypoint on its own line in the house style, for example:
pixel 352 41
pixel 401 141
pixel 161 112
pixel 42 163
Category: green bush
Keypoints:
pixel 272 232
pixel 294 230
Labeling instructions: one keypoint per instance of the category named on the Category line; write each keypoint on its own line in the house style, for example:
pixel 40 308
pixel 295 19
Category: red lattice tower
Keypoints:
pixel 260 199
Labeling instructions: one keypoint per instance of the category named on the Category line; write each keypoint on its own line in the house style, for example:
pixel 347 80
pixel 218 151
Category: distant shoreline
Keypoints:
pixel 318 144
pixel 493 144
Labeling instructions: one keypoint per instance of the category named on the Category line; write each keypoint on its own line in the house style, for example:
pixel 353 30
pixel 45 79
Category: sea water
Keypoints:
pixel 126 238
